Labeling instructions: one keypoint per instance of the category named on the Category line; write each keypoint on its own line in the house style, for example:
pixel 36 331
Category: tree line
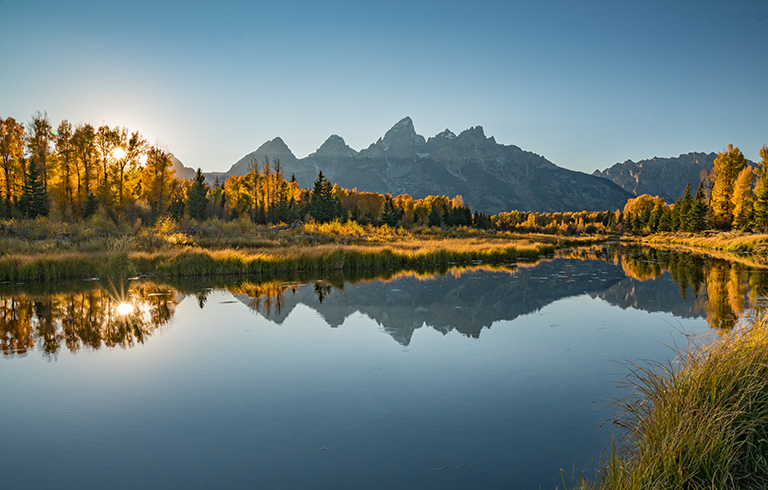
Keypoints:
pixel 733 196
pixel 73 171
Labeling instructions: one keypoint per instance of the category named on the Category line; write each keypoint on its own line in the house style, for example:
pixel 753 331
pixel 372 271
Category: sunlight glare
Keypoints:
pixel 124 308
pixel 118 153
pixel 142 159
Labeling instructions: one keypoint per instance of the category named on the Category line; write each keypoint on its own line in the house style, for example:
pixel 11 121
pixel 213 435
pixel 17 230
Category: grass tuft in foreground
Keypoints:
pixel 701 423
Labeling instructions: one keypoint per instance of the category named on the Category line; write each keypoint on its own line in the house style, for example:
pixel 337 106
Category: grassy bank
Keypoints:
pixel 700 423
pixel 417 255
pixel 733 241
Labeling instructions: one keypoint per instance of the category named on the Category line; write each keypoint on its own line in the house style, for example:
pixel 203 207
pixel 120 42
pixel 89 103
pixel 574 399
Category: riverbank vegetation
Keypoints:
pixel 84 200
pixel 700 422
pixel 43 250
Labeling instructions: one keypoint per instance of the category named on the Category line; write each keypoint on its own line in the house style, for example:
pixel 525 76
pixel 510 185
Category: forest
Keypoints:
pixel 73 172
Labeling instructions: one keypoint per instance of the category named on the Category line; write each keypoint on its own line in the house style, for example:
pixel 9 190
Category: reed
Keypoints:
pixel 353 258
pixel 734 241
pixel 698 423
pixel 118 258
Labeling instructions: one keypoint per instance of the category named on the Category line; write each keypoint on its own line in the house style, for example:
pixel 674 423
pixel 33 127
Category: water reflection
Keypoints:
pixel 464 300
pixel 90 318
pixel 721 289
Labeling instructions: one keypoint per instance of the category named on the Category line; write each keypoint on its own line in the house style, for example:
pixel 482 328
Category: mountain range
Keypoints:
pixel 663 177
pixel 491 177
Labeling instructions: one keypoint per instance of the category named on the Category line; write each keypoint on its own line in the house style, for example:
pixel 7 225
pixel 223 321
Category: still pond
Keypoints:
pixel 468 378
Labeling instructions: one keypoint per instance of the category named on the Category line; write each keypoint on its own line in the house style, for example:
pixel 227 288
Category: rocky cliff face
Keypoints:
pixel 663 177
pixel 491 177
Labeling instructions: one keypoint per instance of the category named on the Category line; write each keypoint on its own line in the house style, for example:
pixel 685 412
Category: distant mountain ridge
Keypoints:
pixel 663 177
pixel 489 176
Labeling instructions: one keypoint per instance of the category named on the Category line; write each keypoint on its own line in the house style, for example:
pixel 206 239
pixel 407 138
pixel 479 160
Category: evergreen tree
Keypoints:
pixel 90 206
pixel 434 219
pixel 655 220
pixel 198 196
pixel 322 205
pixel 389 214
pixel 684 213
pixel 699 211
pixel 355 215
pixel 34 200
pixel 665 222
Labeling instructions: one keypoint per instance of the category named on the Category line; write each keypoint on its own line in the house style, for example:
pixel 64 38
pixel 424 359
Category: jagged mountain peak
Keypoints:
pixel 403 129
pixel 475 133
pixel 333 147
pixel 400 142
pixel 405 124
pixel 276 145
pixel 665 177
pixel 447 134
pixel 492 177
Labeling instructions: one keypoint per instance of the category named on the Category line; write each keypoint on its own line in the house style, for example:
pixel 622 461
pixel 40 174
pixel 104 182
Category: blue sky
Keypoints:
pixel 585 84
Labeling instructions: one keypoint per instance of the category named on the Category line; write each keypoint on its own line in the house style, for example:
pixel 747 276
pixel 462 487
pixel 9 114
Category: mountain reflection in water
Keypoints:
pixel 464 300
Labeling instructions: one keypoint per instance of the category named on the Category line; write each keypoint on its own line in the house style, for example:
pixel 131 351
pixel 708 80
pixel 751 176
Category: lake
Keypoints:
pixel 467 378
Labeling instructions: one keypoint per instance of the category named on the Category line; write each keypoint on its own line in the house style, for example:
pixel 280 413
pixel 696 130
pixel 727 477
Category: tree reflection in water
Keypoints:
pixel 725 291
pixel 731 287
pixel 87 319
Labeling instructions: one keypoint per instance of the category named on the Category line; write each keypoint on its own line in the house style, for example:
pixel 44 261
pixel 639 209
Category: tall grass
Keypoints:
pixel 699 423
pixel 733 241
pixel 118 257
pixel 352 258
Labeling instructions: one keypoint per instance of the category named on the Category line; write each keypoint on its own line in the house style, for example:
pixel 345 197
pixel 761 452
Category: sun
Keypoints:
pixel 124 308
pixel 118 153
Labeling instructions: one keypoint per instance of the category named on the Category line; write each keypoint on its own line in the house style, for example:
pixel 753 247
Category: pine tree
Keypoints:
pixel 198 196
pixel 665 222
pixel 655 220
pixel 389 214
pixel 434 219
pixel 699 211
pixel 684 211
pixel 90 206
pixel 34 200
pixel 322 205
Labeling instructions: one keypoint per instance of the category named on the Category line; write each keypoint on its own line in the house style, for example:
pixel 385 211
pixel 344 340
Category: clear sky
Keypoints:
pixel 585 84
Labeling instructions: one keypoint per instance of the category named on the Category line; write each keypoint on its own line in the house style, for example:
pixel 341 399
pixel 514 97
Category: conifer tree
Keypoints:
pixel 322 205
pixel 684 210
pixel 90 206
pixel 697 221
pixel 665 222
pixel 198 196
pixel 389 214
pixel 34 200
pixel 435 218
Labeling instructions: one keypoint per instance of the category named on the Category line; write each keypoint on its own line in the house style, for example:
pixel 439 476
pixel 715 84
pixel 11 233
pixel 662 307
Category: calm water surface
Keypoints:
pixel 471 379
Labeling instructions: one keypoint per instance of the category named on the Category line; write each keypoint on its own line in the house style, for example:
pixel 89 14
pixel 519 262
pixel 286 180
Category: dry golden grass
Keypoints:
pixel 699 423
pixel 733 241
